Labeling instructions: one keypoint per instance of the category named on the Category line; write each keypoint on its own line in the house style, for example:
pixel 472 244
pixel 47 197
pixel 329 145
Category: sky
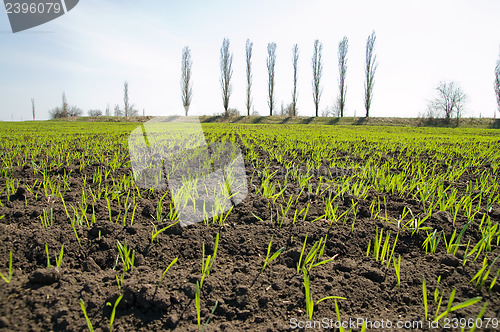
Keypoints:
pixel 90 52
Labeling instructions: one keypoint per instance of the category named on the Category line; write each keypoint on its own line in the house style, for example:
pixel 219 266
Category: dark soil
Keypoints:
pixel 44 299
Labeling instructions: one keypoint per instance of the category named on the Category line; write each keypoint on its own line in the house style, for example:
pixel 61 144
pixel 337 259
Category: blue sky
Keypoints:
pixel 89 53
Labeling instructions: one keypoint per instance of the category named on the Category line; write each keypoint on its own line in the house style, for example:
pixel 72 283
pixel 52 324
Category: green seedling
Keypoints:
pixel 172 214
pixel 119 280
pixel 306 211
pixel 113 312
pixel 484 272
pixel 417 224
pixel 155 232
pixel 89 323
pixel 284 211
pixel 93 218
pixel 309 298
pixel 273 257
pixel 221 218
pixel 315 254
pixel 109 209
pixel 488 235
pixel 207 264
pixel 431 242
pixel 64 205
pixel 48 256
pixel 9 278
pixel 47 219
pixel 453 243
pixel 461 305
pixel 436 291
pixel 424 292
pixel 60 257
pixel 126 255
pixel 479 317
pixel 166 270
pixel 381 247
pixel 197 304
pixel 73 222
pixel 397 268
pixel 209 317
pixel 495 279
pixel 337 311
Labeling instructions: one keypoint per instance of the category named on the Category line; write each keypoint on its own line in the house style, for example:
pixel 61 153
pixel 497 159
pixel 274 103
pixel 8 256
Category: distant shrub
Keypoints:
pixel 288 110
pixel 95 113
pixel 65 110
pixel 60 112
pixel 330 111
pixel 230 112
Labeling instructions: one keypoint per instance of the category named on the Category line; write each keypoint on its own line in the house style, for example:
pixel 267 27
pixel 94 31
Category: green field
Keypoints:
pixel 387 222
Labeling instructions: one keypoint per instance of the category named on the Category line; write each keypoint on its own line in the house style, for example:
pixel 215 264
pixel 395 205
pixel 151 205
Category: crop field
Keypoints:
pixel 381 224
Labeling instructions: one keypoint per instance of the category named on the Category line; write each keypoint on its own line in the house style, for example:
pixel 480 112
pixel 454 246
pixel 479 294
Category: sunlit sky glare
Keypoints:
pixel 89 53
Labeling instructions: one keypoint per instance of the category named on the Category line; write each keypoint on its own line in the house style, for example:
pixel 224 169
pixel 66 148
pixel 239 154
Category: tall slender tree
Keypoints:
pixel 125 99
pixel 186 84
pixel 33 107
pixel 317 67
pixel 370 68
pixel 342 54
pixel 65 107
pixel 271 63
pixel 248 48
pixel 295 59
pixel 226 63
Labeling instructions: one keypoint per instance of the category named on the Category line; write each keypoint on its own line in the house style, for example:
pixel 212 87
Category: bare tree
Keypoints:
pixel 186 85
pixel 129 109
pixel 108 111
pixel 450 101
pixel 497 83
pixel 295 59
pixel 286 110
pixel 33 107
pixel 125 98
pixel 226 62
pixel 317 68
pixel 95 113
pixel 342 54
pixel 74 111
pixel 118 111
pixel 370 68
pixel 248 48
pixel 271 63
pixel 64 109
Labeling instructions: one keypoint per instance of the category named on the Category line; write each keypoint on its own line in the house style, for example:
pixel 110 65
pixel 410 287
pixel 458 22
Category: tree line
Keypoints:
pixel 226 61
pixel 65 110
pixel 448 103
